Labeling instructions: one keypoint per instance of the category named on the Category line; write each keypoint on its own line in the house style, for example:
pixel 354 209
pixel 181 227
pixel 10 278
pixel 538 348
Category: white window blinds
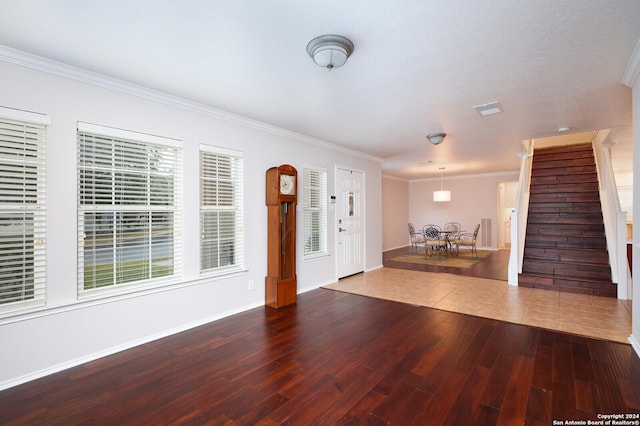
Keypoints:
pixel 315 211
pixel 22 210
pixel 129 209
pixel 221 210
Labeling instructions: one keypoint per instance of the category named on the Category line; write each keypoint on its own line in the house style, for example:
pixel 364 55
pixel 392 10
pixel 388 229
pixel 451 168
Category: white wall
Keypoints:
pixel 635 308
pixel 395 213
pixel 69 331
pixel 472 199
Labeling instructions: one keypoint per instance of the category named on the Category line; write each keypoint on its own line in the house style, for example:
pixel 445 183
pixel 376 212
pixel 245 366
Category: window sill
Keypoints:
pixel 314 257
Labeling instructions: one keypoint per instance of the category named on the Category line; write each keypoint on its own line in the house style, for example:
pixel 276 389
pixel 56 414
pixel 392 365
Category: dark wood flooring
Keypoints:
pixel 338 358
pixel 494 267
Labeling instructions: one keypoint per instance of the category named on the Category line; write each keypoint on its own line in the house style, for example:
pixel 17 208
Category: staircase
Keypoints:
pixel 565 246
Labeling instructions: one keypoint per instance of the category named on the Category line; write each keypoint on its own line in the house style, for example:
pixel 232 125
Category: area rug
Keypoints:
pixel 463 260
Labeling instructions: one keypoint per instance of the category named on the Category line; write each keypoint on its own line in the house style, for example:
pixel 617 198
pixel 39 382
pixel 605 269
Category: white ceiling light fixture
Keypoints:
pixel 436 138
pixel 489 109
pixel 442 195
pixel 330 50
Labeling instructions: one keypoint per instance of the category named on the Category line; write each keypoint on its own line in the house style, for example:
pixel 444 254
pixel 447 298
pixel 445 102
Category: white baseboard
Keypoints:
pixel 635 344
pixel 395 248
pixel 374 268
pixel 110 351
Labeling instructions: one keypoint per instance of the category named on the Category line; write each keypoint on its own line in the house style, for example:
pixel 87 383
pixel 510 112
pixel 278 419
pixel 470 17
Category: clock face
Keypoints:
pixel 287 184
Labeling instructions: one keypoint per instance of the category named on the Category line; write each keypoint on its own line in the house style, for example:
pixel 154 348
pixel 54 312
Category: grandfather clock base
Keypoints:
pixel 279 293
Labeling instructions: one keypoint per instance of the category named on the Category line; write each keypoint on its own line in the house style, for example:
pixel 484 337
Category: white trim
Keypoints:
pixel 634 344
pixel 115 349
pixel 374 268
pixel 478 175
pixel 114 132
pixel 323 210
pixel 633 67
pixel 49 66
pixel 396 248
pixel 316 168
pixel 21 115
pixel 394 178
pixel 364 214
pixel 222 151
pixel 315 256
pixel 44 311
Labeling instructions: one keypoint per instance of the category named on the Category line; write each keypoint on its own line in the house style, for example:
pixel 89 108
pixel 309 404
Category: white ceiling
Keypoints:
pixel 418 67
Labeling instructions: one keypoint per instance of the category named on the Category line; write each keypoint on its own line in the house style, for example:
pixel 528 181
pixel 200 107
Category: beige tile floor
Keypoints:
pixel 593 316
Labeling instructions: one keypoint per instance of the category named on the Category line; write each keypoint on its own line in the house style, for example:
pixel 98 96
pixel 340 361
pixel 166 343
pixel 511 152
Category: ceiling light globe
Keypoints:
pixel 330 51
pixel 436 138
pixel 330 57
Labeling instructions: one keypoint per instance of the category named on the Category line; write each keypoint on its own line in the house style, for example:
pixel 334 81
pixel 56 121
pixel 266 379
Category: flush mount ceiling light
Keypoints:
pixel 489 109
pixel 330 50
pixel 436 138
pixel 441 195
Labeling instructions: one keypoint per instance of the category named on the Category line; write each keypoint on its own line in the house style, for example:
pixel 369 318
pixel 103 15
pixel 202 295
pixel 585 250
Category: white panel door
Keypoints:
pixel 350 218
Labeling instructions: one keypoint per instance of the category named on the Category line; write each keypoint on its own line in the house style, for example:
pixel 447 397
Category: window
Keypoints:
pixel 129 209
pixel 315 211
pixel 221 231
pixel 22 209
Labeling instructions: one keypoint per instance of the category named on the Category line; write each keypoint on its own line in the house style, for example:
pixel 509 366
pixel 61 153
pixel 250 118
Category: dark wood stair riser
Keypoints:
pixel 564 197
pixel 599 257
pixel 572 170
pixel 565 244
pixel 567 188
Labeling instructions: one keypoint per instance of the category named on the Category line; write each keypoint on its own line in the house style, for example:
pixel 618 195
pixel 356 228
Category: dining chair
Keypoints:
pixel 433 240
pixel 454 229
pixel 416 238
pixel 468 239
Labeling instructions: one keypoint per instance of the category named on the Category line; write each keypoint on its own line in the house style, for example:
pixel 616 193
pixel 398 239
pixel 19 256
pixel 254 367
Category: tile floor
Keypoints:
pixel 592 316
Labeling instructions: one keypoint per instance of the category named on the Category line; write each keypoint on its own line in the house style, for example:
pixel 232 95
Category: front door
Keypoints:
pixel 350 218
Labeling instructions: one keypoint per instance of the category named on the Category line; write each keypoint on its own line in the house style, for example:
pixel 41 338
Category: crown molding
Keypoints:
pixel 630 77
pixel 391 177
pixel 471 176
pixel 39 63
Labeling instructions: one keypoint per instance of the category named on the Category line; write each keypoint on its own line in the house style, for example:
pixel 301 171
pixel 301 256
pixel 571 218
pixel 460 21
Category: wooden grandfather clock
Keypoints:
pixel 280 283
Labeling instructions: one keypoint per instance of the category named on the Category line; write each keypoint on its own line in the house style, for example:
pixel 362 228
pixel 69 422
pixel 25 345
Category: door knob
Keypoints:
pixel 342 230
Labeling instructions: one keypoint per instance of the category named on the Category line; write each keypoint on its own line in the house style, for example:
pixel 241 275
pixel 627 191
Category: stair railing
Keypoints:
pixel 519 215
pixel 615 220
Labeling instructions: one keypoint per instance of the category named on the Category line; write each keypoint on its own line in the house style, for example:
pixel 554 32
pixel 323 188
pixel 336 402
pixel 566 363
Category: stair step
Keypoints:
pixel 572 230
pixel 567 188
pixel 565 242
pixel 566 170
pixel 574 150
pixel 560 162
pixel 552 216
pixel 551 207
pixel 563 219
pixel 591 271
pixel 560 254
pixel 565 197
pixel 608 289
pixel 556 179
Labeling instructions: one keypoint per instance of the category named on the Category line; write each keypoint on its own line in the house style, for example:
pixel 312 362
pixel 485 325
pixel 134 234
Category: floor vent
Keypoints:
pixel 485 232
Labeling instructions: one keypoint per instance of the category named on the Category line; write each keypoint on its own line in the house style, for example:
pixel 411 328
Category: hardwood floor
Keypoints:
pixel 338 358
pixel 495 267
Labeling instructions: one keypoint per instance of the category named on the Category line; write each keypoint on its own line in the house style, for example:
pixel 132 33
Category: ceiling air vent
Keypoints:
pixel 488 109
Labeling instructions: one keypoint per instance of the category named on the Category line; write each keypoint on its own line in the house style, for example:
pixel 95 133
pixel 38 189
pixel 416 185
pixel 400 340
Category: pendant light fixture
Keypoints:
pixel 441 195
